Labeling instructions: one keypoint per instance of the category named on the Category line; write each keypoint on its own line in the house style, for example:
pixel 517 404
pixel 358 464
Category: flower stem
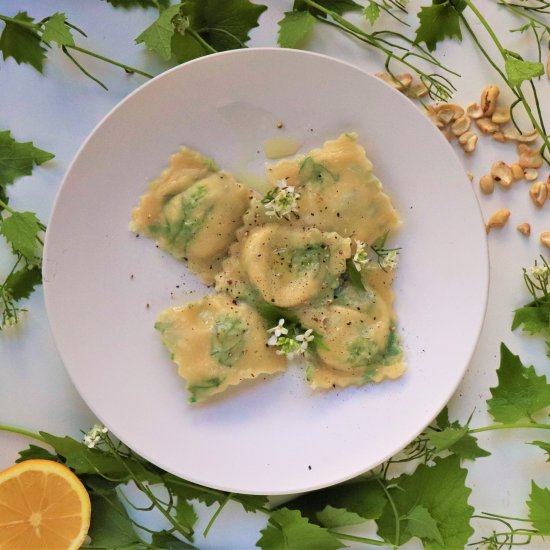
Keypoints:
pixel 395 514
pixel 127 68
pixel 21 431
pixel 516 425
pixel 353 538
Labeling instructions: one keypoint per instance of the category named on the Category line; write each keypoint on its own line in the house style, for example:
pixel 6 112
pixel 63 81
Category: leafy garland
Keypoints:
pixel 430 503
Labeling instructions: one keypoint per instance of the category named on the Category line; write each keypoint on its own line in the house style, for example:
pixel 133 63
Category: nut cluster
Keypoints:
pixel 494 120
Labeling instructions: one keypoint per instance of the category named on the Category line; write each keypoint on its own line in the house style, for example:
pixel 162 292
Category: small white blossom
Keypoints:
pixel 276 332
pixel 390 260
pixel 288 347
pixel 282 200
pixel 360 258
pixel 539 271
pixel 94 436
pixel 304 340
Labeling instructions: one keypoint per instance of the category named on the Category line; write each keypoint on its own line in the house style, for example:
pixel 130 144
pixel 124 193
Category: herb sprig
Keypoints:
pixel 28 41
pixel 297 25
pixel 21 230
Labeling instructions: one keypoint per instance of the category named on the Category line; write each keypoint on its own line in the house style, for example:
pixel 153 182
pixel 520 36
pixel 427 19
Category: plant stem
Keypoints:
pixel 216 514
pixel 516 425
pixel 354 538
pixel 515 89
pixel 395 513
pixel 37 28
pixel 127 68
pixel 21 431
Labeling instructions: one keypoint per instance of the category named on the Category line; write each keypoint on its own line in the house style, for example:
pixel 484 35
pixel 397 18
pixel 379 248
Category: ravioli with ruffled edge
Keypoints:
pixel 298 260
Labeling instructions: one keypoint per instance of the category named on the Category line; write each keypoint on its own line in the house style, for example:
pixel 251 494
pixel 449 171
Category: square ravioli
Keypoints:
pixel 193 211
pixel 217 343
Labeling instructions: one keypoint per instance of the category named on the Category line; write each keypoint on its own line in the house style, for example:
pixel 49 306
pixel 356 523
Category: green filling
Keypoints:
pixel 227 340
pixel 315 172
pixel 197 391
pixel 362 352
pixel 181 231
pixel 308 258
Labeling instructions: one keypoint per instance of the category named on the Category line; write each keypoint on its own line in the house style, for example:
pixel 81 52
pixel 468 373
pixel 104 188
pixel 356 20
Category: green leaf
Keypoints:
pixel 84 460
pixel 544 446
pixel 467 448
pixel 533 318
pixel 55 30
pixel 167 541
pixel 332 518
pixel 539 508
pixel 22 42
pixel 519 393
pixel 441 489
pixel 354 276
pixel 20 230
pixel 110 525
pixel 295 28
pixel 158 36
pixel 442 419
pixel 422 525
pixel 337 6
pixel 288 530
pixel 439 21
pixel 227 22
pixel 366 498
pixel 519 71
pixel 35 452
pixel 20 284
pixel 186 47
pixel 18 159
pixel 456 439
pixel 128 4
pixel 372 12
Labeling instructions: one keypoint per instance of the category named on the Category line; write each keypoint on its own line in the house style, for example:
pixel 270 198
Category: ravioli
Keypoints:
pixel 286 266
pixel 193 212
pixel 358 330
pixel 217 343
pixel 310 253
pixel 338 191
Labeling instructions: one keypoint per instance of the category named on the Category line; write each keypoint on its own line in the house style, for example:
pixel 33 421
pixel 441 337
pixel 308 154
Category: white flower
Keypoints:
pixel 304 340
pixel 281 200
pixel 539 271
pixel 277 332
pixel 288 346
pixel 94 436
pixel 360 258
pixel 390 260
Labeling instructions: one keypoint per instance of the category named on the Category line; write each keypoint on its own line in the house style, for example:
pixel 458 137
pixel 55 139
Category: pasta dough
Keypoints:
pixel 300 252
pixel 193 212
pixel 216 344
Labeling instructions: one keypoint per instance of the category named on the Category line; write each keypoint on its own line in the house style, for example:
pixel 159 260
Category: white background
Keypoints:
pixel 57 110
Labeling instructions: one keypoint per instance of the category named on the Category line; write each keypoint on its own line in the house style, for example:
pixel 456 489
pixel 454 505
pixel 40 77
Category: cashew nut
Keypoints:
pixel 446 112
pixel 524 229
pixel 501 115
pixel 545 238
pixel 502 174
pixel 528 157
pixel 468 140
pixel 517 171
pixel 488 100
pixel 487 126
pixel 461 125
pixel 499 219
pixel 487 184
pixel 530 174
pixel 474 111
pixel 539 193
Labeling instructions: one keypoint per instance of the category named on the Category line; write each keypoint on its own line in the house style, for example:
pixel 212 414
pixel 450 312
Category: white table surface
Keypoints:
pixel 58 110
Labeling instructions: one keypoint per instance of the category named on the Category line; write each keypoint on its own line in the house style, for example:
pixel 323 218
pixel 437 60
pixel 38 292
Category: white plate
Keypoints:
pixel 275 436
